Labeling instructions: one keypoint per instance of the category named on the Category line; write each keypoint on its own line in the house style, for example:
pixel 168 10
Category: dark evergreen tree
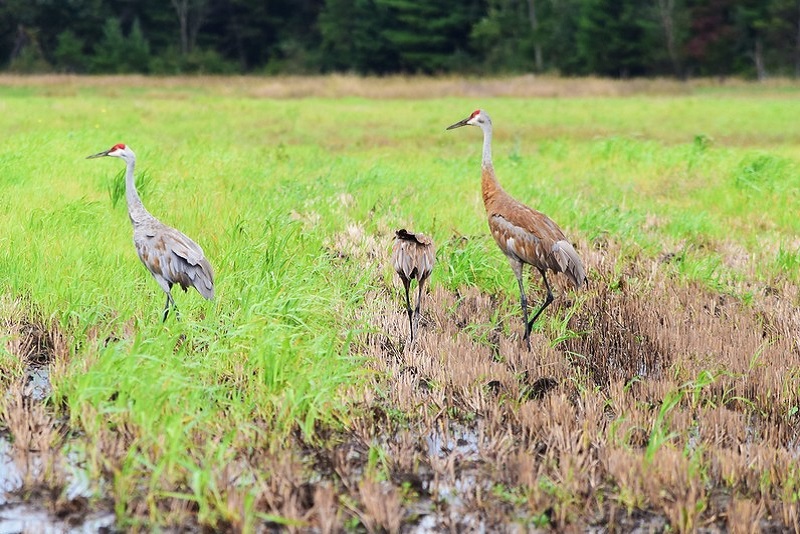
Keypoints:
pixel 605 37
pixel 110 51
pixel 431 36
pixel 612 38
pixel 559 28
pixel 69 54
pixel 671 30
pixel 782 36
pixel 505 38
pixel 352 37
pixel 137 56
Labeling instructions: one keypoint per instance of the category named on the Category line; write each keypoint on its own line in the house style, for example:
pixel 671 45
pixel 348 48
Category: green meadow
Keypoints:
pixel 295 202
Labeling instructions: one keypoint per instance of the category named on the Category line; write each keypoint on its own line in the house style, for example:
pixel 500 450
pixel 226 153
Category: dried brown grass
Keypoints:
pixel 27 335
pixel 36 438
pixel 345 85
pixel 583 432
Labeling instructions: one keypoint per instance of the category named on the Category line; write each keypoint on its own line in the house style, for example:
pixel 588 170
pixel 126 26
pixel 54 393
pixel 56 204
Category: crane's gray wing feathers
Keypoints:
pixel 427 258
pixel 569 262
pixel 173 256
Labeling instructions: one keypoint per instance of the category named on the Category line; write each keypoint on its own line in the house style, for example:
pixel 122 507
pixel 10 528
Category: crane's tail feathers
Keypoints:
pixel 569 263
pixel 205 286
pixel 206 291
pixel 202 276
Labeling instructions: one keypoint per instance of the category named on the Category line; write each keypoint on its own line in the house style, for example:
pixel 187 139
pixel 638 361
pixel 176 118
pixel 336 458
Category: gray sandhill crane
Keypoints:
pixel 412 257
pixel 170 256
pixel 523 234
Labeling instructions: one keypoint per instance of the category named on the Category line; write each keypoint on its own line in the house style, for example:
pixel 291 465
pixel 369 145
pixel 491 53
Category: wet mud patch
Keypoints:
pixel 43 485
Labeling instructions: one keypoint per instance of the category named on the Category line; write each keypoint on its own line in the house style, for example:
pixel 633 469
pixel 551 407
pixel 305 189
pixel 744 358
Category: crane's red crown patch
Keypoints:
pixel 120 146
pixel 477 111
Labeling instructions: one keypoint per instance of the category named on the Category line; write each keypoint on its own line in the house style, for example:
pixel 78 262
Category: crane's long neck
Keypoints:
pixel 136 210
pixel 490 187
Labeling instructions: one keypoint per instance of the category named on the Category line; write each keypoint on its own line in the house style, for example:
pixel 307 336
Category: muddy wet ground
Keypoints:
pixel 28 502
pixel 646 404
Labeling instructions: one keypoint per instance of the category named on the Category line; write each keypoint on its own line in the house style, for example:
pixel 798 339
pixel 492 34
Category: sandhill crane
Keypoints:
pixel 412 257
pixel 523 234
pixel 170 256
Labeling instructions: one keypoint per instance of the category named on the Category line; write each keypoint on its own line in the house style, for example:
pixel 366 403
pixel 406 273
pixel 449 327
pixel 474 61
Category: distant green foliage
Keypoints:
pixel 137 54
pixel 110 54
pixel 29 61
pixel 622 38
pixel 199 61
pixel 611 38
pixel 429 36
pixel 30 57
pixel 69 55
pixel 505 35
pixel 352 38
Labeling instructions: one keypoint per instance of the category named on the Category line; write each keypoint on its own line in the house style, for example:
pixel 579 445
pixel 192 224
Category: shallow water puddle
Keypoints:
pixel 27 517
pixel 10 477
pixel 37 383
pixel 33 515
pixel 446 443
pixel 457 439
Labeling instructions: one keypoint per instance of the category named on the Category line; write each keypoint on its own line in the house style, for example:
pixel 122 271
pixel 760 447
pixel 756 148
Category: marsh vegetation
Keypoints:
pixel 665 395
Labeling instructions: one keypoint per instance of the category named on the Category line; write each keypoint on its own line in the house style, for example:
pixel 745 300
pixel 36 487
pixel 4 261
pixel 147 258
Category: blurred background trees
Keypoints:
pixel 617 38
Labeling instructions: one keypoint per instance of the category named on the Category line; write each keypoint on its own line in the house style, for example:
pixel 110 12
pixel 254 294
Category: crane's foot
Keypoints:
pixel 176 313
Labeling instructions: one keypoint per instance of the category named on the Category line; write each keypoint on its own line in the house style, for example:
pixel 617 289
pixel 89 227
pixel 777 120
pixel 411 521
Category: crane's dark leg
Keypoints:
pixel 166 308
pixel 547 301
pixel 419 303
pixel 406 284
pixel 170 303
pixel 517 267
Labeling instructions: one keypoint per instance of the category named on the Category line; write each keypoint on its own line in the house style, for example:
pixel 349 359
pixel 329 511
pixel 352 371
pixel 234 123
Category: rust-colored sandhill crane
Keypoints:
pixel 170 256
pixel 523 234
pixel 412 257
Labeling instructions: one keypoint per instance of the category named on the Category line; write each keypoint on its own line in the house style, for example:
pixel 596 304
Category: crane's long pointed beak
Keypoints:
pixel 99 154
pixel 459 124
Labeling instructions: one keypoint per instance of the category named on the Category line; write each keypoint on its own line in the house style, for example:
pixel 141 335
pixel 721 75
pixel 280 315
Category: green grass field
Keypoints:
pixel 250 409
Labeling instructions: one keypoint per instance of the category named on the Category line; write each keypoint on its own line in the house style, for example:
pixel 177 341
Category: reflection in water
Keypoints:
pixel 33 516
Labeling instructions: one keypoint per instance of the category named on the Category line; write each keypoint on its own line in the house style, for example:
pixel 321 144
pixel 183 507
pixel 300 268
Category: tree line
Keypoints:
pixel 618 38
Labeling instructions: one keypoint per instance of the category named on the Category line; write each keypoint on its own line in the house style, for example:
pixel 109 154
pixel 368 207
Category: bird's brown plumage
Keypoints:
pixel 525 236
pixel 413 256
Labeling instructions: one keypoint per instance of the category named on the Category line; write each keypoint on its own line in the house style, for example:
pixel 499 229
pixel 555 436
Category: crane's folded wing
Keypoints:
pixel 180 259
